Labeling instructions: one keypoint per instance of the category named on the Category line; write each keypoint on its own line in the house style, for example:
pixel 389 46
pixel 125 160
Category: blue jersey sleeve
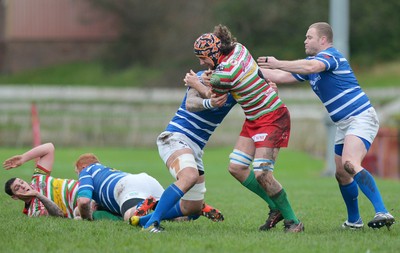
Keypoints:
pixel 85 193
pixel 301 77
pixel 330 62
pixel 85 185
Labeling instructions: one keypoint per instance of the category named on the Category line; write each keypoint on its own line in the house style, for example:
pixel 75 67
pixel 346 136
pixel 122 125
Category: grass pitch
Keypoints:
pixel 315 199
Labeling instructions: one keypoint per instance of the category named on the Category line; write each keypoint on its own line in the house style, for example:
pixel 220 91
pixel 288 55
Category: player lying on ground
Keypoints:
pixel 120 192
pixel 47 195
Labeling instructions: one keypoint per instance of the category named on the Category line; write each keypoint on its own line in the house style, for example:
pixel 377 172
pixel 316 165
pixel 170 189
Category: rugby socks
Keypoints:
pixel 144 219
pixel 368 186
pixel 174 212
pixel 253 185
pixel 350 197
pixel 168 199
pixel 283 205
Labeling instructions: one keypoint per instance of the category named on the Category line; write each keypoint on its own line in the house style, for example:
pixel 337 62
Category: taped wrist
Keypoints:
pixel 207 104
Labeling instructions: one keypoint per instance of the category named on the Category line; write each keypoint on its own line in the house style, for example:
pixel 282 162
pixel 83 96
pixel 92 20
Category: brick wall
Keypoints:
pixel 44 32
pixel 25 55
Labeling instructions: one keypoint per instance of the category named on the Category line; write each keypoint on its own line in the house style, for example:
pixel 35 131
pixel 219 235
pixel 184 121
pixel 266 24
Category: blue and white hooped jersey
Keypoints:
pixel 97 182
pixel 199 126
pixel 337 86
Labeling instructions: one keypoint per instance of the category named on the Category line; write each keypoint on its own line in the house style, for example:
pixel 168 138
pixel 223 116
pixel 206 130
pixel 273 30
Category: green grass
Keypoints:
pixel 92 73
pixel 315 199
pixel 382 75
pixel 80 73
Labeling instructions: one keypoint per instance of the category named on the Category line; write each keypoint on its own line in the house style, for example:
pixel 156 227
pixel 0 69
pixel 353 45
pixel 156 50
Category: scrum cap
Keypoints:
pixel 208 45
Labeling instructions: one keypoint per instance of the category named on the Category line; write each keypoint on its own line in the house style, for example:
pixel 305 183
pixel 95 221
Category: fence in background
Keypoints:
pixel 88 116
pixel 127 117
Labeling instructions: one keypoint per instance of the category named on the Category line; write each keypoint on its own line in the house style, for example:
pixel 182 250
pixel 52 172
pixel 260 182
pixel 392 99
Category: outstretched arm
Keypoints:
pixel 278 76
pixel 44 152
pixel 304 67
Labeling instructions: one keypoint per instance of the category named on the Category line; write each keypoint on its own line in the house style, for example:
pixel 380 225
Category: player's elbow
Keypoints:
pixel 191 108
pixel 48 147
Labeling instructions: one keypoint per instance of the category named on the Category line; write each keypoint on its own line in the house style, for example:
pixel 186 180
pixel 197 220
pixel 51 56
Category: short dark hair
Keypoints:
pixel 8 184
pixel 323 29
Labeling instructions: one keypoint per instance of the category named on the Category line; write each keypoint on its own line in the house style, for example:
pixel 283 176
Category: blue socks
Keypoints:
pixel 172 213
pixel 168 200
pixel 368 186
pixel 350 197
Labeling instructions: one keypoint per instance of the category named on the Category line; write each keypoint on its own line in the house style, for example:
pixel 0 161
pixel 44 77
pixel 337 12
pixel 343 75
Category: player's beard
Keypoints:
pixel 311 51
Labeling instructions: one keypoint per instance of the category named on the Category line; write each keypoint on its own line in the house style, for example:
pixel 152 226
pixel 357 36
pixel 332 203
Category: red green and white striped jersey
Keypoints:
pixel 239 74
pixel 62 192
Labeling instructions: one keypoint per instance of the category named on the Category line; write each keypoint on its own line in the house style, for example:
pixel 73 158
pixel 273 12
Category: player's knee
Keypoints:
pixel 349 168
pixel 262 164
pixel 337 176
pixel 343 178
pixel 189 176
pixel 240 158
pixel 234 169
pixel 239 161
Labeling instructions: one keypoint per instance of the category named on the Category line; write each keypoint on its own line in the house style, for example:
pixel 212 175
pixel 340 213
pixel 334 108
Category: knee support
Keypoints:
pixel 240 158
pixel 196 192
pixel 262 164
pixel 181 162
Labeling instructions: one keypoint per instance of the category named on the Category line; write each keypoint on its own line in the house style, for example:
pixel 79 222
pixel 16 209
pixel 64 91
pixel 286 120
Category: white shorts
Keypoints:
pixel 170 142
pixel 138 186
pixel 364 125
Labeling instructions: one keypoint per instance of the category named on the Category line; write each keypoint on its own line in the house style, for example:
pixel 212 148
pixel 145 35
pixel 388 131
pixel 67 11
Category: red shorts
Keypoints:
pixel 271 130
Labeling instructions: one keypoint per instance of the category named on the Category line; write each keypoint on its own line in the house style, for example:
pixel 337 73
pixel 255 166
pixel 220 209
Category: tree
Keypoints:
pixel 160 34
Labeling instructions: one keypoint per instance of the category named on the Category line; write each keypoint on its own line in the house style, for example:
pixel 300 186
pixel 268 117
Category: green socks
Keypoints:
pixel 279 201
pixel 104 215
pixel 283 205
pixel 252 184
